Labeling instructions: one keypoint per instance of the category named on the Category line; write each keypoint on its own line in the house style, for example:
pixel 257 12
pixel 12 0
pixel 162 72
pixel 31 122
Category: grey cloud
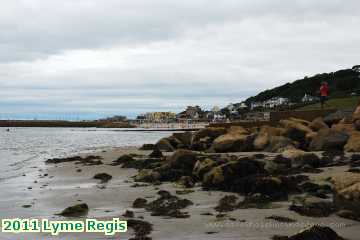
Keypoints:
pixel 99 57
pixel 37 28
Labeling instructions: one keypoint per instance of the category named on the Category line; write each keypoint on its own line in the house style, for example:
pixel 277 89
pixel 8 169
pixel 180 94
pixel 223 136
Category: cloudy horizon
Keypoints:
pixel 88 59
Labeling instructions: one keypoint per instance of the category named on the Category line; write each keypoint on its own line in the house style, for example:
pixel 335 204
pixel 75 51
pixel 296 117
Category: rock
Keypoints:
pixel 168 205
pixel 257 200
pixel 235 140
pixel 203 138
pixel 272 187
pixel 343 127
pixel 186 182
pixel 317 124
pixel 311 187
pixel 226 176
pixel 296 131
pixel 184 137
pixel 104 177
pixel 236 176
pixel 156 153
pixel 227 203
pixel 353 144
pixel 175 143
pixel 129 214
pixel 183 192
pixel 124 159
pixel 314 233
pixel 279 144
pixel 314 208
pixel 281 219
pixel 147 175
pixel 347 191
pixel 141 229
pixel 278 165
pixel 348 215
pixel 75 211
pixel 203 166
pixel 183 159
pixel 164 145
pixel 356 114
pixel 264 136
pixel 329 139
pixel 147 147
pixel 334 118
pixel 299 158
pixel 301 121
pixel 139 203
pixel 87 161
pixel 357 125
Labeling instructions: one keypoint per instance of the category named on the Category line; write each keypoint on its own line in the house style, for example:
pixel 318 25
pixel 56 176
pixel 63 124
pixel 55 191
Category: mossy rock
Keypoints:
pixel 79 210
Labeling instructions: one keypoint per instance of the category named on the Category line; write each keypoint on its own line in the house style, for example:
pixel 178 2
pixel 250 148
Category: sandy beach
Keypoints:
pixel 57 186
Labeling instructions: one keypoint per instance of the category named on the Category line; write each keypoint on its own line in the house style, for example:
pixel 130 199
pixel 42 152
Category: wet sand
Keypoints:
pixel 61 185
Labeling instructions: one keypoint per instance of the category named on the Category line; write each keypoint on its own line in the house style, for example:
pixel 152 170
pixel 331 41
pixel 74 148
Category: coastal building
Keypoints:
pixel 191 112
pixel 255 105
pixel 271 103
pixel 157 116
pixel 308 98
pixel 242 105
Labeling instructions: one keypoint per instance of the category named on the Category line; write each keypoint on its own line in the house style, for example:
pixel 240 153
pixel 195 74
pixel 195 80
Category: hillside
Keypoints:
pixel 338 103
pixel 341 83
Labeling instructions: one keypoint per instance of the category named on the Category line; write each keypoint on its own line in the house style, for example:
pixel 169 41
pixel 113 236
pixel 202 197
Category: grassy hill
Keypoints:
pixel 338 103
pixel 341 84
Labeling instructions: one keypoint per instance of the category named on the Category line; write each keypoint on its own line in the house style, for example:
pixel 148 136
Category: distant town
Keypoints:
pixel 255 111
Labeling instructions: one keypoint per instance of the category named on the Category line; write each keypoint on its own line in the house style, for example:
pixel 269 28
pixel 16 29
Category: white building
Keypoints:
pixel 243 105
pixel 308 98
pixel 256 105
pixel 274 102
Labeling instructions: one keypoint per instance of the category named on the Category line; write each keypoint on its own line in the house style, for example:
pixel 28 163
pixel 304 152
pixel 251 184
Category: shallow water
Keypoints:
pixel 21 148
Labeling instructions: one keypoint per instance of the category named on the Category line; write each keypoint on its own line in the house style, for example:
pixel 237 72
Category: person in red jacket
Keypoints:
pixel 324 92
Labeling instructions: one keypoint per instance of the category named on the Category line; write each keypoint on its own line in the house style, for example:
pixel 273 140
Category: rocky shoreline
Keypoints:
pixel 306 169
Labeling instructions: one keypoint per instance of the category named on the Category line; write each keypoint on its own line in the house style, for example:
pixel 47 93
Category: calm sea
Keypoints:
pixel 21 148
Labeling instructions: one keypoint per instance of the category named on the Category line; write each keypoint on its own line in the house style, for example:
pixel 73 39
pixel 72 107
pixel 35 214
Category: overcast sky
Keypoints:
pixel 91 58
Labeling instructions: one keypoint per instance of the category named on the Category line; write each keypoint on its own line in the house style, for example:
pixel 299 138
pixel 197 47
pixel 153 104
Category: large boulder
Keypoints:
pixel 317 124
pixel 299 158
pixel 272 187
pixel 280 144
pixel 233 142
pixel 357 125
pixel 313 233
pixel 227 175
pixel 335 118
pixel 264 136
pixel 301 121
pixel 353 144
pixel 296 131
pixel 184 137
pixel 203 138
pixel 164 145
pixel 329 140
pixel 147 175
pixel 343 127
pixel 356 118
pixel 202 167
pixel 347 191
pixel 79 210
pixel 183 159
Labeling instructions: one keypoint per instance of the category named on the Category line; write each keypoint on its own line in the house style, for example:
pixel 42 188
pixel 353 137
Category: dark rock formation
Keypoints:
pixel 104 177
pixel 75 211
